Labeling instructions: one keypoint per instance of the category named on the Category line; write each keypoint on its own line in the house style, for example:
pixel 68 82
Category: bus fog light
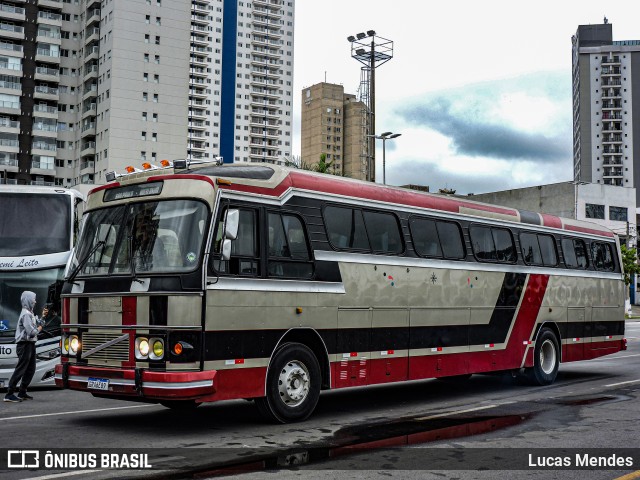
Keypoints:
pixel 157 348
pixel 74 344
pixel 65 345
pixel 142 348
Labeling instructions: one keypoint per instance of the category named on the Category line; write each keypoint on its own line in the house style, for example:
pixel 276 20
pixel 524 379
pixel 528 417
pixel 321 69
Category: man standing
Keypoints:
pixel 26 335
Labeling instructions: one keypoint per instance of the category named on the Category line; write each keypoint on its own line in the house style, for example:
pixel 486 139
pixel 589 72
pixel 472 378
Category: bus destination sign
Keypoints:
pixel 131 191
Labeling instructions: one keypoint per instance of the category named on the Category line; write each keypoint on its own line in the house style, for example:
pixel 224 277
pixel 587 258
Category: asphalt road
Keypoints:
pixel 592 405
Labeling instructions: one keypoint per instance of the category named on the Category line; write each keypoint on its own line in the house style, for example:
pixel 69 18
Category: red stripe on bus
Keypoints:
pixel 551 220
pixel 592 231
pixel 129 306
pixel 181 176
pixel 66 310
pixel 104 187
pixel 368 192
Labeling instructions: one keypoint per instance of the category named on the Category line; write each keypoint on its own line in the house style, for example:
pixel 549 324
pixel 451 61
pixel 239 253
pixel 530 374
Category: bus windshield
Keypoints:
pixel 34 224
pixel 149 237
pixel 12 284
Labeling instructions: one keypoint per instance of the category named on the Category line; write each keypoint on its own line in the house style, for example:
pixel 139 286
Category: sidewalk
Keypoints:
pixel 635 313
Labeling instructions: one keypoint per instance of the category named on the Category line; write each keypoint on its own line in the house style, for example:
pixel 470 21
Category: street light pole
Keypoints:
pixel 384 137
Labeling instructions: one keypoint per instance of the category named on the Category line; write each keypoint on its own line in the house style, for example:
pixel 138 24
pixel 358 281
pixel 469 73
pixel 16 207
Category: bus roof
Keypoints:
pixel 276 181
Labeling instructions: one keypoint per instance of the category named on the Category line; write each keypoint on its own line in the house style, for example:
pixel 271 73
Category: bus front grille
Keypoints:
pixel 118 352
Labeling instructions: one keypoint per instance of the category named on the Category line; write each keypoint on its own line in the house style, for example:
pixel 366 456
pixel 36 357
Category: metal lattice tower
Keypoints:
pixel 372 51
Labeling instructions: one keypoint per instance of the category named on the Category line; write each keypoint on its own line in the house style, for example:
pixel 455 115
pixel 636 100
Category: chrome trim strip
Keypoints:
pixel 132 327
pixel 127 294
pixel 158 385
pixel 369 259
pixel 261 284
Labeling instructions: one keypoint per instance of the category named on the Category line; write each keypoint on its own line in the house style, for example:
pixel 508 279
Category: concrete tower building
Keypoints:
pixel 90 86
pixel 333 124
pixel 606 107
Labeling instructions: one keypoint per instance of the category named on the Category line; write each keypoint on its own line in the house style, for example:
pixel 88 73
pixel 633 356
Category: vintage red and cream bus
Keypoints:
pixel 198 283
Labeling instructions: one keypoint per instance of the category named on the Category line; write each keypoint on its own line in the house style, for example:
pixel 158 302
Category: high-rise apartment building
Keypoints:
pixel 334 125
pixel 90 86
pixel 606 100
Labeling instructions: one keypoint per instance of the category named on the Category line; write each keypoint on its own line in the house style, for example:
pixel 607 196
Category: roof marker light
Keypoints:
pixel 166 163
pixel 129 169
pixel 223 181
pixel 147 166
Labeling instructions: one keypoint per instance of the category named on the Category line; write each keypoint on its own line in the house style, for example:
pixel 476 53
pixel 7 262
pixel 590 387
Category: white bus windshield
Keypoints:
pixel 34 224
pixel 164 236
pixel 12 284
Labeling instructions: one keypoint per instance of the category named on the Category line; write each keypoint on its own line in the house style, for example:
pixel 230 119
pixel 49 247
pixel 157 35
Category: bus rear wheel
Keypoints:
pixel 293 385
pixel 546 359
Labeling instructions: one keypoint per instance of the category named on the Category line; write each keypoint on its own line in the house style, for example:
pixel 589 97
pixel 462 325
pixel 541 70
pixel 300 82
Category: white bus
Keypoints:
pixel 37 229
pixel 210 282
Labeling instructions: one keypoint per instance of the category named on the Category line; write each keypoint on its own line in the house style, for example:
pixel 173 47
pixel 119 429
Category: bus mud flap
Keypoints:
pixel 138 381
pixel 65 375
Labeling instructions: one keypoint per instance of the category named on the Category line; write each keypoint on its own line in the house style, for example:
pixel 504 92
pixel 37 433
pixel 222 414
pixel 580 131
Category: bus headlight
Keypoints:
pixel 142 348
pixel 74 344
pixel 157 349
pixel 65 345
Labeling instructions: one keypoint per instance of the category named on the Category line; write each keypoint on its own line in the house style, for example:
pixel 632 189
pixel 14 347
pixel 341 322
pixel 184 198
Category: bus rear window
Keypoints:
pixel 602 256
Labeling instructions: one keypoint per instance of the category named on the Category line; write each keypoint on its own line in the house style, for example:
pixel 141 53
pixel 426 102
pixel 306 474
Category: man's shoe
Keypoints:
pixel 24 396
pixel 10 397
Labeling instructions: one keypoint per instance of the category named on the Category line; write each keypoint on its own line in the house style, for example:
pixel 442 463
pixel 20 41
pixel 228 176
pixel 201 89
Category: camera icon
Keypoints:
pixel 23 459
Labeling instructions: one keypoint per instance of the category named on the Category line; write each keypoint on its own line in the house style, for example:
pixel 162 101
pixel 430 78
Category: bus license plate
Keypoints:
pixel 98 383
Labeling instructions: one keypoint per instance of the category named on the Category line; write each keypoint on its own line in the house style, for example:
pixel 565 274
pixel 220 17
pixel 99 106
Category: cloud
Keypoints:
pixel 527 118
pixel 506 176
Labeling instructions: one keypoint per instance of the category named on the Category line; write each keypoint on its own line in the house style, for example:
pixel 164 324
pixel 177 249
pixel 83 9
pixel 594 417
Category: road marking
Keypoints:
pixel 615 358
pixel 65 474
pixel 82 472
pixel 456 412
pixel 74 412
pixel 622 383
pixel 630 476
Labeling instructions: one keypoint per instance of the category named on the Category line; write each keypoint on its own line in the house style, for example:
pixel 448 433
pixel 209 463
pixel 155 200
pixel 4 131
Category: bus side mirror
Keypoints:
pixel 226 249
pixel 231 224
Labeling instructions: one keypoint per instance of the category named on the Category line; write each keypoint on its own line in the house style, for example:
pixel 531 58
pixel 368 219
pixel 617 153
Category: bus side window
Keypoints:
pixel 244 259
pixel 345 228
pixel 288 247
pixel 575 253
pixel 425 237
pixel 482 243
pixel 383 232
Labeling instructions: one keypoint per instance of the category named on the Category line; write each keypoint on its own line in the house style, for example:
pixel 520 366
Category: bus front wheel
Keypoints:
pixel 293 385
pixel 546 359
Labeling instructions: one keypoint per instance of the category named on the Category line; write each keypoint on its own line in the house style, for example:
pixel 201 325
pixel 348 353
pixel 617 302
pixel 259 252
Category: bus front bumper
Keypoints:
pixel 136 383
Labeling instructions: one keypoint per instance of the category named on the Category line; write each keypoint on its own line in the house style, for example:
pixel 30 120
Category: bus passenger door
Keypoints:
pixel 389 345
pixel 573 338
pixel 353 346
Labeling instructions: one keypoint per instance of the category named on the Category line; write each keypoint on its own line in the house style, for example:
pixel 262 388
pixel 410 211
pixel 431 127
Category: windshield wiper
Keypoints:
pixel 82 262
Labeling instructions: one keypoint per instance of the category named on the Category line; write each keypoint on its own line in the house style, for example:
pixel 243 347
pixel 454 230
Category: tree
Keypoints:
pixel 630 265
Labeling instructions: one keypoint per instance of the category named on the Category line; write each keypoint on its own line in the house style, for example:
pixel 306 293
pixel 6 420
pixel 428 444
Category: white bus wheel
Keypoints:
pixel 546 358
pixel 293 385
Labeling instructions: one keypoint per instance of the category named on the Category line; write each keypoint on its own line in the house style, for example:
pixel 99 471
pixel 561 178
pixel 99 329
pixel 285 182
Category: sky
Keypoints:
pixel 480 91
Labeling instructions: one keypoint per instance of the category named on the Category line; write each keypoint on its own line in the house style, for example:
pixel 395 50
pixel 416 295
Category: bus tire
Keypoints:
pixel 546 359
pixel 181 405
pixel 293 385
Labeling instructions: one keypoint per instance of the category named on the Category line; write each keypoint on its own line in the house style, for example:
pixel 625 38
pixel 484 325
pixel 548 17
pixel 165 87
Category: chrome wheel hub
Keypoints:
pixel 547 357
pixel 293 383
